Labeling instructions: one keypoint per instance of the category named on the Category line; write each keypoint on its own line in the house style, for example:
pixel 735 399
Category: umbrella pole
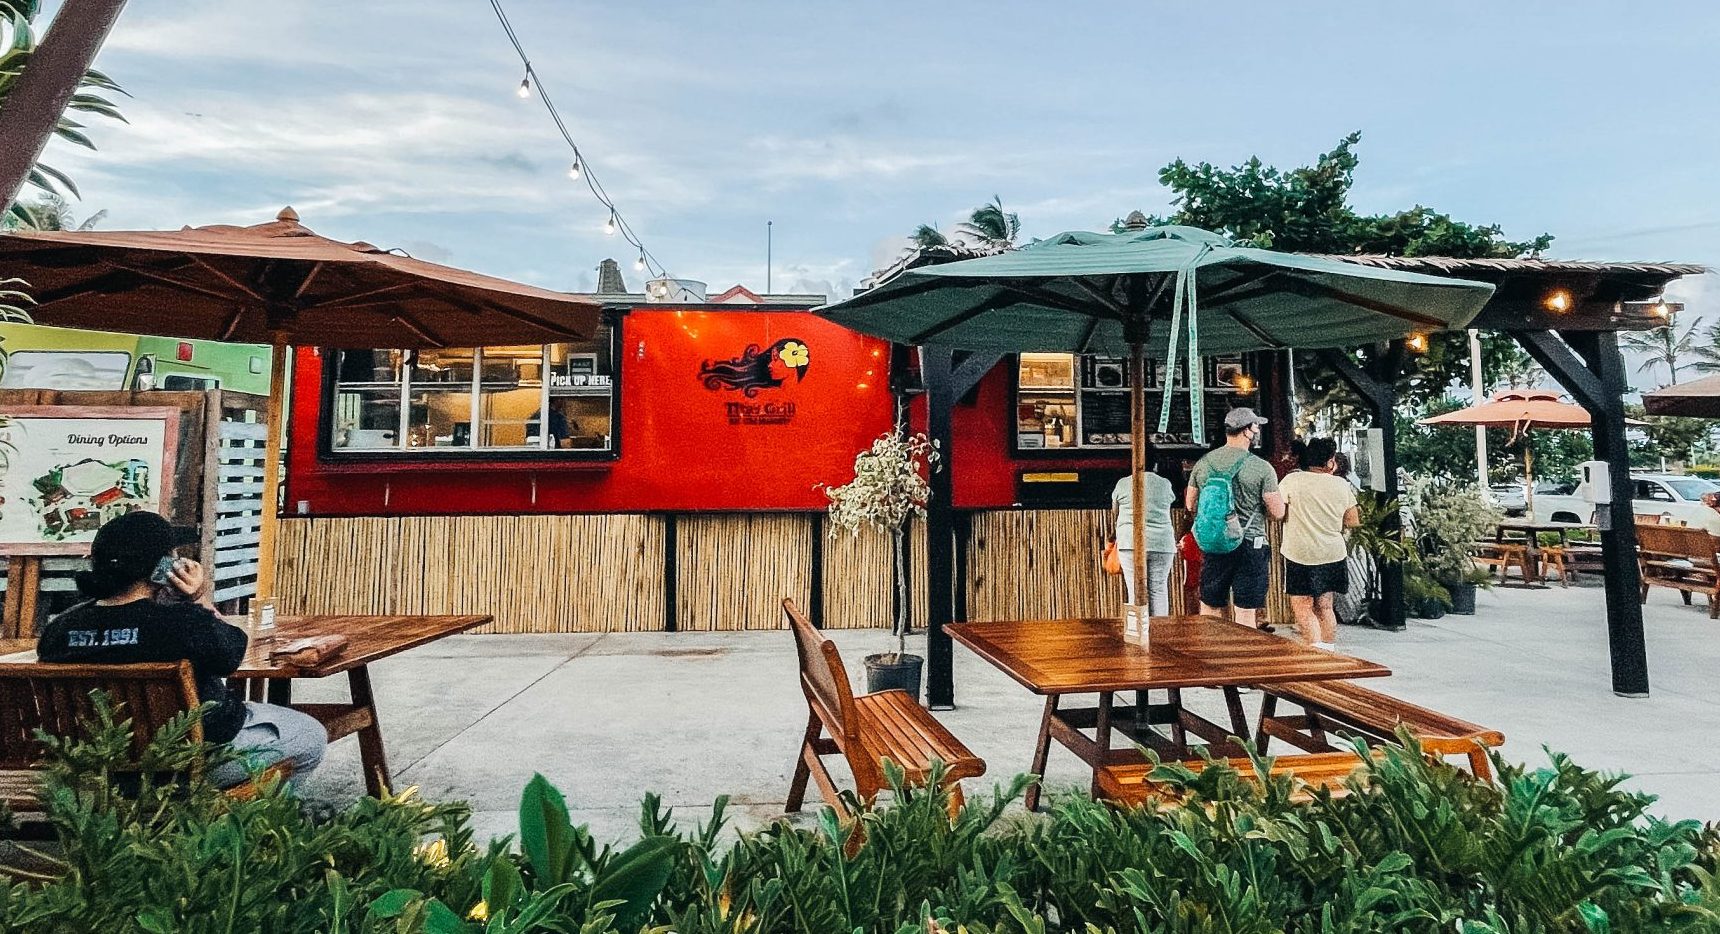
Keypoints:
pixel 272 470
pixel 1137 469
pixel 1528 478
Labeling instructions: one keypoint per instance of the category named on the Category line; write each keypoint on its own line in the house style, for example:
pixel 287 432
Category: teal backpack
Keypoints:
pixel 1216 529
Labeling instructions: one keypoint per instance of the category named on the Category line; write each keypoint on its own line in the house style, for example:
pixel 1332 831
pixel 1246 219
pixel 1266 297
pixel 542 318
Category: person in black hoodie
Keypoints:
pixel 128 618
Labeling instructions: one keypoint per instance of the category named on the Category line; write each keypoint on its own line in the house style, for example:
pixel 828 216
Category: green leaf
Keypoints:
pixel 502 884
pixel 440 919
pixel 391 903
pixel 546 832
pixel 635 879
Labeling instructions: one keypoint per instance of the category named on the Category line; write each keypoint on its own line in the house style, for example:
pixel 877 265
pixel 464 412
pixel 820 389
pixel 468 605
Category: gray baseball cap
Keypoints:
pixel 1240 418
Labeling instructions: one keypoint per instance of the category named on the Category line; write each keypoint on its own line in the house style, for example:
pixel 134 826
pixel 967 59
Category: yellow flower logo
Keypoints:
pixel 795 354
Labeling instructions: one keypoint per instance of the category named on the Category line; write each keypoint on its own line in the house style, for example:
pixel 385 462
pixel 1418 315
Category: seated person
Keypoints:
pixel 127 619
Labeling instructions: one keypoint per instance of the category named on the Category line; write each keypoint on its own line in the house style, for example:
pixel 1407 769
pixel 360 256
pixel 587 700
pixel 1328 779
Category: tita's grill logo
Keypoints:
pixel 757 369
pixel 760 413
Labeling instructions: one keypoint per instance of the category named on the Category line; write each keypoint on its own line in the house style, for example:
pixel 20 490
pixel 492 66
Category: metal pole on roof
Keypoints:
pixel 768 230
pixel 34 106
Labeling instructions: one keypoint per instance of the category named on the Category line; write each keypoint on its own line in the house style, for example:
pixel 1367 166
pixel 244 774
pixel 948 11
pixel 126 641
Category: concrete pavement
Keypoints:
pixel 695 715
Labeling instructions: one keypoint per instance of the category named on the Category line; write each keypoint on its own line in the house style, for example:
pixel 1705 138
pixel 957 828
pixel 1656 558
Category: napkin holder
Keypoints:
pixel 1136 624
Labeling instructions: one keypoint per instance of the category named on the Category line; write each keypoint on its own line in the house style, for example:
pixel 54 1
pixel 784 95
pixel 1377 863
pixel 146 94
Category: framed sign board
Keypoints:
pixel 65 470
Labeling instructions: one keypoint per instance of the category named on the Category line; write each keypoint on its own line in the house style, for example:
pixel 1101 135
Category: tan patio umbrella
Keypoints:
pixel 278 283
pixel 1519 410
pixel 1699 398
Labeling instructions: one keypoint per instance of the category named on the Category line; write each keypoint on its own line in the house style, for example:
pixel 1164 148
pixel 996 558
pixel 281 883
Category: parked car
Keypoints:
pixel 1674 498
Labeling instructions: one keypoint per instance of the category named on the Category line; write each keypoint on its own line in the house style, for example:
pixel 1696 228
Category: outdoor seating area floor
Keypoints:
pixel 693 715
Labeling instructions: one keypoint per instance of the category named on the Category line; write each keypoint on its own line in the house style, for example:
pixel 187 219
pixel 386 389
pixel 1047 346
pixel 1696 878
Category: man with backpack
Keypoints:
pixel 1232 493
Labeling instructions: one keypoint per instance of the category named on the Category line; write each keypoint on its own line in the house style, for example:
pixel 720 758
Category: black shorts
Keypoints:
pixel 1313 580
pixel 1237 578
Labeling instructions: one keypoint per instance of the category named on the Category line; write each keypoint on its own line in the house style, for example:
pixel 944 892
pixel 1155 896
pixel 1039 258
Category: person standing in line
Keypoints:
pixel 1320 506
pixel 1237 577
pixel 1160 538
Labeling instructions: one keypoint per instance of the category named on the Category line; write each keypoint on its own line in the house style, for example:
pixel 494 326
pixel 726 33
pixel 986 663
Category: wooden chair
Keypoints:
pixel 1131 785
pixel 56 700
pixel 865 730
pixel 1346 706
pixel 1500 556
pixel 1680 558
pixel 1553 561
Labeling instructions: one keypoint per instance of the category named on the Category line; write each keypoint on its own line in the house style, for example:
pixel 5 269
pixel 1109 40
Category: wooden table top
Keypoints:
pixel 1533 525
pixel 1089 656
pixel 371 638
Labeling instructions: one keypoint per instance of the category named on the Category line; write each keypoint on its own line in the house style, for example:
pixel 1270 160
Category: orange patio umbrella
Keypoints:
pixel 278 283
pixel 1519 410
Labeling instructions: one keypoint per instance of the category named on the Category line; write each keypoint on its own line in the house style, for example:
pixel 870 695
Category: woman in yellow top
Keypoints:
pixel 1319 507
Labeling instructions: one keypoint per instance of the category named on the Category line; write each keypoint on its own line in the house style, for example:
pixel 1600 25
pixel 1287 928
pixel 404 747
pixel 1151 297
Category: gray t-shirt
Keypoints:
pixel 1248 492
pixel 1159 495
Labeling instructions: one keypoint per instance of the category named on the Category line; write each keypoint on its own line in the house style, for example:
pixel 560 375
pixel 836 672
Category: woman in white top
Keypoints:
pixel 1160 538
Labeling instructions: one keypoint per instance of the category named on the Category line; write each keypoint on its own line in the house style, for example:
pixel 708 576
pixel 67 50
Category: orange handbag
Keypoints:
pixel 1112 562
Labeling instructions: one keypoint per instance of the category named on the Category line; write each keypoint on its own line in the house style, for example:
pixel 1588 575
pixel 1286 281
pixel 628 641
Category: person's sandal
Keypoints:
pixel 1267 627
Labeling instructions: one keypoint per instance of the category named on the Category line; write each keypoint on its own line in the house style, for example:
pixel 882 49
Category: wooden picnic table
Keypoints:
pixel 1531 530
pixel 370 639
pixel 1060 657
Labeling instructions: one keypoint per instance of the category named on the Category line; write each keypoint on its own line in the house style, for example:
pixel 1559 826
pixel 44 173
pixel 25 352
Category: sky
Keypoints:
pixel 846 125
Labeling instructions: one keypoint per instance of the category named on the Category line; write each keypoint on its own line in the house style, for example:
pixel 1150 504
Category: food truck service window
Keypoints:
pixel 1070 402
pixel 505 399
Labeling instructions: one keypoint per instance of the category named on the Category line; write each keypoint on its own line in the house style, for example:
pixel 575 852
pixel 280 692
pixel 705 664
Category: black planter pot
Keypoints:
pixel 1462 599
pixel 892 672
pixel 1429 608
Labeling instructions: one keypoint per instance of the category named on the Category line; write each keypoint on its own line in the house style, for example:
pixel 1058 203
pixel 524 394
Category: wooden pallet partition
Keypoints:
pixel 1040 564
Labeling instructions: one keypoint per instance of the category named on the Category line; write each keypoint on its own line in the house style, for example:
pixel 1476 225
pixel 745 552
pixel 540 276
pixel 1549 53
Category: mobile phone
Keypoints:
pixel 162 569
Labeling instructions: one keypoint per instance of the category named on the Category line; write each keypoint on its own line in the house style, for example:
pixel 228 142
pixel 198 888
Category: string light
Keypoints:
pixel 1417 343
pixel 1559 301
pixel 580 168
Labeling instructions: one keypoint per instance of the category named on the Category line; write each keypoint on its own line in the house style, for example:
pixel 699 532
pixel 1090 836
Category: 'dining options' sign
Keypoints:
pixel 67 470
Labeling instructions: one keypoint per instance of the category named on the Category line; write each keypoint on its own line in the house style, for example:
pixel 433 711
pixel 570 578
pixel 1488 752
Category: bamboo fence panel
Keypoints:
pixel 732 571
pixel 860 577
pixel 1040 564
pixel 601 573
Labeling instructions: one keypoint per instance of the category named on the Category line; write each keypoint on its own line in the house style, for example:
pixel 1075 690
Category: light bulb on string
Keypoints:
pixel 640 262
pixel 573 170
pixel 609 225
pixel 525 88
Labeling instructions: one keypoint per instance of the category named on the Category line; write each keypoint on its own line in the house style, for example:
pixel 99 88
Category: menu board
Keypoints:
pixel 67 470
pixel 1105 419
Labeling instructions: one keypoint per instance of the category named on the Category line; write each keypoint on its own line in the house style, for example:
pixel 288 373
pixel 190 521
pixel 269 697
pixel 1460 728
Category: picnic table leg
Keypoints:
pixel 1179 733
pixel 1238 718
pixel 371 754
pixel 1102 737
pixel 1041 752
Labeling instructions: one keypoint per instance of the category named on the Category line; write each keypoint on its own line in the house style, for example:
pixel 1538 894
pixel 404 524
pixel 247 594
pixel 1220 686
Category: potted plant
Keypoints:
pixel 890 487
pixel 1373 544
pixel 1450 518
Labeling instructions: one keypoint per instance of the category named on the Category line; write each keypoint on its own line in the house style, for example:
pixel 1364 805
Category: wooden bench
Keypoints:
pixel 866 730
pixel 1681 558
pixel 1501 556
pixel 56 700
pixel 1351 708
pixel 1132 784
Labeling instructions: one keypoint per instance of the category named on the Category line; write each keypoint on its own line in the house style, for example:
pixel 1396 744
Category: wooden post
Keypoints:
pixel 270 524
pixel 1597 381
pixel 1137 470
pixel 936 366
pixel 35 103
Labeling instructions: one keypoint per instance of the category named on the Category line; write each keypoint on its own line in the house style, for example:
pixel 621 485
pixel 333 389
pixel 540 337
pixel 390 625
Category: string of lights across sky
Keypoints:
pixel 579 169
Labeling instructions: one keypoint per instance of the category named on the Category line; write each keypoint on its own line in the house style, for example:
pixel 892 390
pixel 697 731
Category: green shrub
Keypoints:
pixel 1415 847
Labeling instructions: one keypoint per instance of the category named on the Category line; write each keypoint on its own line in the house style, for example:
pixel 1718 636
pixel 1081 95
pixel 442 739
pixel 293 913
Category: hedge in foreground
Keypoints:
pixel 1418 848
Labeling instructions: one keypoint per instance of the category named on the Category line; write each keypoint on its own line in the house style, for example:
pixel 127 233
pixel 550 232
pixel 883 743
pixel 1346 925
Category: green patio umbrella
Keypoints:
pixel 1155 291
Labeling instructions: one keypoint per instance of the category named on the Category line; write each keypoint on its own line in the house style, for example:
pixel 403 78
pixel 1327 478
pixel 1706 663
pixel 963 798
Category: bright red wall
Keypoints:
pixel 679 451
pixel 982 437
